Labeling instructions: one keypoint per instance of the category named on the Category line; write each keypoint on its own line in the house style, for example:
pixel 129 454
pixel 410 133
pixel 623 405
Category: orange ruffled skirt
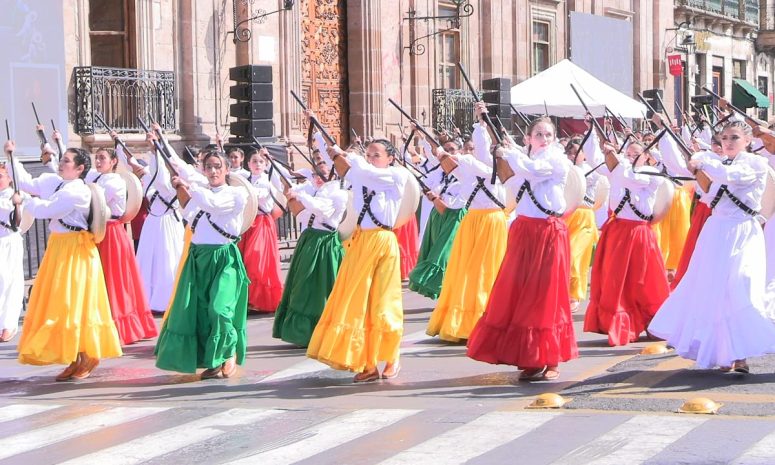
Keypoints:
pixel 363 320
pixel 582 234
pixel 477 253
pixel 68 311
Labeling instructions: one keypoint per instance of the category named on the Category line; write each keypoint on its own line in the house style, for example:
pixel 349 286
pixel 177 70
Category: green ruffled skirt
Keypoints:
pixel 428 274
pixel 310 280
pixel 206 321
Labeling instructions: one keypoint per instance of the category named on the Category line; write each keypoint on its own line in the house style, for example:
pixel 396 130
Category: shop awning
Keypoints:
pixel 745 95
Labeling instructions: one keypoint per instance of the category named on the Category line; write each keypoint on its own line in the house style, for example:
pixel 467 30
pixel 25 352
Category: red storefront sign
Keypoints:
pixel 674 62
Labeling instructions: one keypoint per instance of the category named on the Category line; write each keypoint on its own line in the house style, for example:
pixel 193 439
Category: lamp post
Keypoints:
pixel 689 46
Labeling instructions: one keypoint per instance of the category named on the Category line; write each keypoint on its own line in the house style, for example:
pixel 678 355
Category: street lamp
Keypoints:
pixel 687 45
pixel 463 9
pixel 243 34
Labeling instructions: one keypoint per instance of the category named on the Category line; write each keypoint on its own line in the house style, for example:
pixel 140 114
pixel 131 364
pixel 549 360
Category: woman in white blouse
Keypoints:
pixel 316 259
pixel 161 240
pixel 716 315
pixel 11 256
pixel 68 317
pixel 362 322
pixel 479 244
pixel 528 320
pixel 126 292
pixel 629 281
pixel 205 327
pixel 259 247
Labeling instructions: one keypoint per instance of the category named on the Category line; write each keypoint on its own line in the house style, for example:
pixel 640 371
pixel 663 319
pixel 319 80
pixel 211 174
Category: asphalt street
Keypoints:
pixel 443 408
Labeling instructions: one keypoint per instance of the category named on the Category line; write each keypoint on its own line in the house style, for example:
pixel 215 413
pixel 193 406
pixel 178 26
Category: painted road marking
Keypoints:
pixel 328 435
pixel 43 437
pixel 169 440
pixel 471 439
pixel 634 441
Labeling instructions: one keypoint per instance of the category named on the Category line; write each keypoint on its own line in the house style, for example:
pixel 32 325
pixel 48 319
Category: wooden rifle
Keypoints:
pixel 314 165
pixel 59 148
pixel 160 148
pixel 702 179
pixel 522 117
pixel 611 161
pixel 16 214
pixel 118 139
pixel 487 121
pixel 447 163
pixel 295 206
pixel 41 134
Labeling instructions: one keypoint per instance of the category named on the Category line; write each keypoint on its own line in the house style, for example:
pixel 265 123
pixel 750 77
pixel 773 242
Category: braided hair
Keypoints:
pixel 81 158
pixel 389 148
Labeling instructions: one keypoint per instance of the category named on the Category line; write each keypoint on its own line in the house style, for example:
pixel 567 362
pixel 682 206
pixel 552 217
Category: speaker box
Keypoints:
pixel 251 73
pixel 498 84
pixel 252 92
pixel 251 110
pixel 501 111
pixel 501 97
pixel 252 128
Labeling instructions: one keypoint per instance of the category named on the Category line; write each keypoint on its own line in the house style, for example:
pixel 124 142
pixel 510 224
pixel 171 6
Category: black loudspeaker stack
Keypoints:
pixel 496 93
pixel 253 108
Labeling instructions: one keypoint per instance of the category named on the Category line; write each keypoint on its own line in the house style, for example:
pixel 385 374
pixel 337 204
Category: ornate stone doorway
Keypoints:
pixel 324 63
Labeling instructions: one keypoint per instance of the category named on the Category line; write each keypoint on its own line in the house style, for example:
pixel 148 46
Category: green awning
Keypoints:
pixel 745 95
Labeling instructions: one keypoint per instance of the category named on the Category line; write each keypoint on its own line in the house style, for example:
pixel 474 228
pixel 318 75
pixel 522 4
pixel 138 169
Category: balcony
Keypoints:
pixel 738 11
pixel 120 95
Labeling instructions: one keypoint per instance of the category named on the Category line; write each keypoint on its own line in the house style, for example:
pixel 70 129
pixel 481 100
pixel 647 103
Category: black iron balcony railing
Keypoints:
pixel 452 107
pixel 120 95
pixel 741 10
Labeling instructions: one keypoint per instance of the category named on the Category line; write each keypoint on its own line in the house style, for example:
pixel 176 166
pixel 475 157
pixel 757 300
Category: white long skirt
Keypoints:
pixel 769 241
pixel 11 280
pixel 158 255
pixel 717 313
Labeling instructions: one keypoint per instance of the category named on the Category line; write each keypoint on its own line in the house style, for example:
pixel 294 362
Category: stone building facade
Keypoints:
pixel 733 43
pixel 347 57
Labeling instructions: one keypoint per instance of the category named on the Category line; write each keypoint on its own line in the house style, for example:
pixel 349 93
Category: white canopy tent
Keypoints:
pixel 550 89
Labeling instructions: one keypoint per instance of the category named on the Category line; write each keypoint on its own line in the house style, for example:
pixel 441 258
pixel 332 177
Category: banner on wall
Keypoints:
pixel 674 63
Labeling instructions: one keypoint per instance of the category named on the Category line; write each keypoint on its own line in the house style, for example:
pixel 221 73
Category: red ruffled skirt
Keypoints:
pixel 408 245
pixel 528 320
pixel 261 256
pixel 629 281
pixel 700 215
pixel 126 294
pixel 139 219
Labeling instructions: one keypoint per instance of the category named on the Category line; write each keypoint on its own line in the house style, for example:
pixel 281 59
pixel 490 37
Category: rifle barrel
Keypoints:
pixel 416 123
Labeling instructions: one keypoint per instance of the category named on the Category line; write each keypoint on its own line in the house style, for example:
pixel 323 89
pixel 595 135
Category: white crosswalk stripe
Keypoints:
pixel 472 439
pixel 42 437
pixel 14 412
pixel 163 442
pixel 328 435
pixel 490 436
pixel 634 441
pixel 761 453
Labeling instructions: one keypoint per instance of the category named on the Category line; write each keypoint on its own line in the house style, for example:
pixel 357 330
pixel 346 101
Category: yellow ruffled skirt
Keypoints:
pixel 674 227
pixel 363 320
pixel 68 310
pixel 582 235
pixel 477 253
